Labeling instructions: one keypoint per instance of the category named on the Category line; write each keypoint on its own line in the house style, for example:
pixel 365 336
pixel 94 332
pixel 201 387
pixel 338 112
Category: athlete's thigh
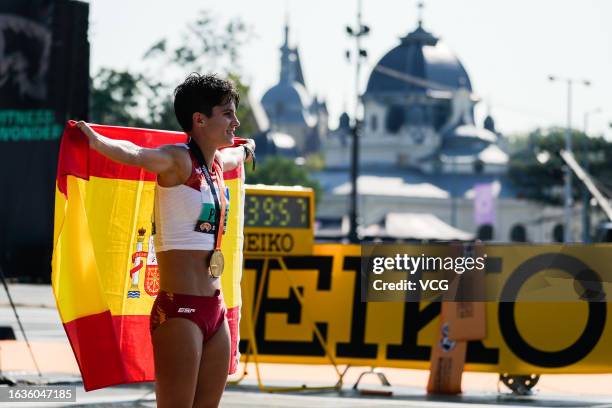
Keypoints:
pixel 177 348
pixel 213 370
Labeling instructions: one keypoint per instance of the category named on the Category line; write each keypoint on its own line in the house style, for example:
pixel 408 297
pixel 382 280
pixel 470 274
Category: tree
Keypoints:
pixel 135 99
pixel 117 98
pixel 280 171
pixel 113 95
pixel 248 126
pixel 204 46
pixel 536 171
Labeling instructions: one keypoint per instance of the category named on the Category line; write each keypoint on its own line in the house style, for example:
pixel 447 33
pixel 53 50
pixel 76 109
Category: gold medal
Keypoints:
pixel 216 263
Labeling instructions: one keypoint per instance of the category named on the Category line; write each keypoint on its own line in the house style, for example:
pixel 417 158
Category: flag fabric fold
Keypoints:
pixel 104 269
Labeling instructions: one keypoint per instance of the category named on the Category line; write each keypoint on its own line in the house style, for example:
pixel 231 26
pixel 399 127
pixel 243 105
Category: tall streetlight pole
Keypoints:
pixel 359 31
pixel 586 196
pixel 567 174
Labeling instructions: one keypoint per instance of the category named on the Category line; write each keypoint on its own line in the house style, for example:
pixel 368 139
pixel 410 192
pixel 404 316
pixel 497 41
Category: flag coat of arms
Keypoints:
pixel 104 268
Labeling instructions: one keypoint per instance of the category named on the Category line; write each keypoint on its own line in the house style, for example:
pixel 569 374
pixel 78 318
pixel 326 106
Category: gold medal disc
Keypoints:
pixel 216 263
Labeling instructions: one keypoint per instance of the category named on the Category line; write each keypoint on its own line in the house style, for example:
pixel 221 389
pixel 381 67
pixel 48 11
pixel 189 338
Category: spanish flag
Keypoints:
pixel 104 269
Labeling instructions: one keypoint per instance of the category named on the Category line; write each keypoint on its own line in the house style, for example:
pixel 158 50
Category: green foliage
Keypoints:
pixel 544 181
pixel 114 95
pixel 315 162
pixel 281 171
pixel 130 99
pixel 248 126
pixel 517 142
pixel 135 99
pixel 204 46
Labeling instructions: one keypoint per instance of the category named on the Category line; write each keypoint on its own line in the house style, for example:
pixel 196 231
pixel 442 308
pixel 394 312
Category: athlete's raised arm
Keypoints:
pixel 162 160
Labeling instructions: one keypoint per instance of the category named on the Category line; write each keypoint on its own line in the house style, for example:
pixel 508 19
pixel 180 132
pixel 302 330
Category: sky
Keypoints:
pixel 508 47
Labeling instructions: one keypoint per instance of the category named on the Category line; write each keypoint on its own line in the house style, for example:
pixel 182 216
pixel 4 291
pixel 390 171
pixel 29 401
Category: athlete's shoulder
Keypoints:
pixel 182 160
pixel 177 151
pixel 173 148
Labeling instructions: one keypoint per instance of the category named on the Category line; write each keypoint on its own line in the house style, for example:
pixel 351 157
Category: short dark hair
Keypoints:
pixel 200 93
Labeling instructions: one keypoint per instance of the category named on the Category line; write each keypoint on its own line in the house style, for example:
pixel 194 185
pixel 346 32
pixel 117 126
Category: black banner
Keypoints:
pixel 44 80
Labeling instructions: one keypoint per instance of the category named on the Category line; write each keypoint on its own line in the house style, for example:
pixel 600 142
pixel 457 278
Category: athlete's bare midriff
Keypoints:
pixel 186 271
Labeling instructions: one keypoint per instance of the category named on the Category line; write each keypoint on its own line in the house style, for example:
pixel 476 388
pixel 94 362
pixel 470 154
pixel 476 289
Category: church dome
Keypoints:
pixel 422 56
pixel 287 102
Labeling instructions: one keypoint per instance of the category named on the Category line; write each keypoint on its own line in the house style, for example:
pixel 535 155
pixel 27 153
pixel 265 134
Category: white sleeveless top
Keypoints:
pixel 185 215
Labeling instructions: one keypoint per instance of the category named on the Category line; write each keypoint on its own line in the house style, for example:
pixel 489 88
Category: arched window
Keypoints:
pixel 373 123
pixel 485 232
pixel 518 233
pixel 558 233
pixel 395 118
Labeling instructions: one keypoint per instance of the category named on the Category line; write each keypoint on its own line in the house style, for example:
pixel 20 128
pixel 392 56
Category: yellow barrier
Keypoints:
pixel 522 337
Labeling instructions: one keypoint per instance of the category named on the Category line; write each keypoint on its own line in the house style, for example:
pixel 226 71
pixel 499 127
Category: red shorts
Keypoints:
pixel 208 312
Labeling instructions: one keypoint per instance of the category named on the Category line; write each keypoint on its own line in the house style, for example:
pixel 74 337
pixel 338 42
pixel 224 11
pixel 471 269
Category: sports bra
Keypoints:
pixel 185 215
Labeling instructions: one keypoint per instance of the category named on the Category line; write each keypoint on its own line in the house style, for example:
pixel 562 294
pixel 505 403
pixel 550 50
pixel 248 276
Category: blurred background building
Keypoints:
pixel 422 154
pixel 291 109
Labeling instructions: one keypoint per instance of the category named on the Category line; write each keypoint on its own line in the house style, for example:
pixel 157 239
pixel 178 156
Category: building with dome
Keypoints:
pixel 419 114
pixel 422 154
pixel 289 107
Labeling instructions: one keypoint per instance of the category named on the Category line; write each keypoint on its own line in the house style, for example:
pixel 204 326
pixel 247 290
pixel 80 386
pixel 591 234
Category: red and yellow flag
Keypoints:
pixel 104 269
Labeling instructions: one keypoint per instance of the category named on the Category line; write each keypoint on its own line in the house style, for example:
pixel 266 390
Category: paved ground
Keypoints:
pixel 36 308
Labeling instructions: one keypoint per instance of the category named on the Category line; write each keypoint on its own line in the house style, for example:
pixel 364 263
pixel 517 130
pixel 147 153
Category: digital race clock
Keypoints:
pixel 278 220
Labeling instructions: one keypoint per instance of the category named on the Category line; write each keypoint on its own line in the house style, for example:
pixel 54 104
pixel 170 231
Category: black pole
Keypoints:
pixel 586 206
pixel 353 236
pixel 586 218
pixel 359 31
pixel 23 333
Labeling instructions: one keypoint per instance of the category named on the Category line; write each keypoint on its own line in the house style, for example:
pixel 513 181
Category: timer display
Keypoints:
pixel 278 220
pixel 276 211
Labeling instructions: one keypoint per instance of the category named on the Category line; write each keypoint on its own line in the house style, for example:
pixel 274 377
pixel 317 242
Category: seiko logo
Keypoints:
pixel 186 310
pixel 268 242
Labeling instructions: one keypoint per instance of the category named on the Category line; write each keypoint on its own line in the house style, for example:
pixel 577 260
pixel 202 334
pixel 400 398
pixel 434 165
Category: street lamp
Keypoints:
pixel 567 202
pixel 356 32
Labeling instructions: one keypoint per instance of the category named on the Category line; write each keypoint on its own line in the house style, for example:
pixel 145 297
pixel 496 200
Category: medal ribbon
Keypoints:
pixel 219 201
